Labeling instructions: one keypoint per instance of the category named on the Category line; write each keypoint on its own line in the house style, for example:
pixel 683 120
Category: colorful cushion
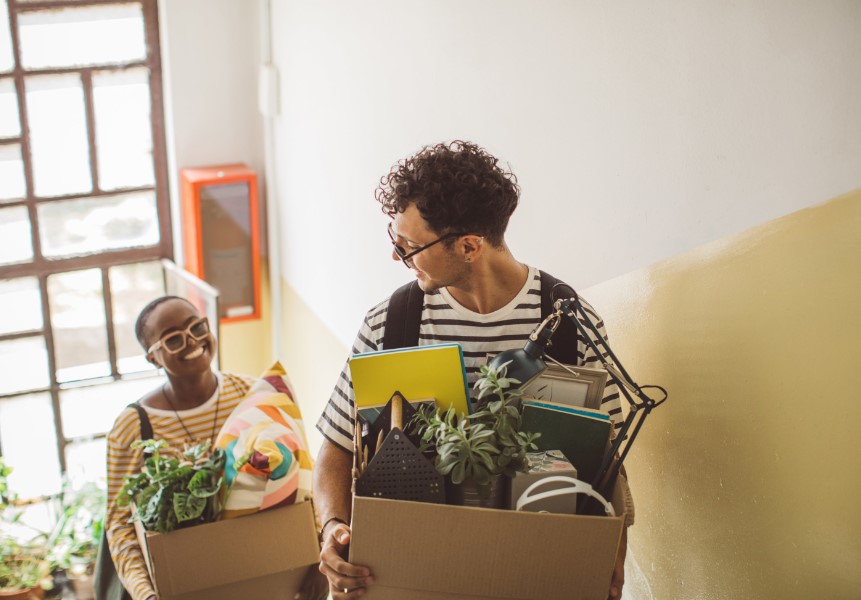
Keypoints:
pixel 268 462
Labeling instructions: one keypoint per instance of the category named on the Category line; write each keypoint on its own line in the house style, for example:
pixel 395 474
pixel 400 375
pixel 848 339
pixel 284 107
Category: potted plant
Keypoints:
pixel 480 452
pixel 172 492
pixel 74 542
pixel 25 571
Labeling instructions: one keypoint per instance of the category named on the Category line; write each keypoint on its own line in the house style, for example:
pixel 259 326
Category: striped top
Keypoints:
pixel 124 462
pixel 445 320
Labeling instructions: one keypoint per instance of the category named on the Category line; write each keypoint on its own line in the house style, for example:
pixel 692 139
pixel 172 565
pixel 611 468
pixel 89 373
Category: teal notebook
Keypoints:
pixel 580 433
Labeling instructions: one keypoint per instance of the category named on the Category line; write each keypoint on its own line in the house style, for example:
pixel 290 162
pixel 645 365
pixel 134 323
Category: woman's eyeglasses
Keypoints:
pixel 176 341
pixel 405 256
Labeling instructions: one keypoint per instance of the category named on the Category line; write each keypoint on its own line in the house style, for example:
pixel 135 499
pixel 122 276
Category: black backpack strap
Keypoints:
pixel 404 316
pixel 146 426
pixel 563 344
pixel 106 582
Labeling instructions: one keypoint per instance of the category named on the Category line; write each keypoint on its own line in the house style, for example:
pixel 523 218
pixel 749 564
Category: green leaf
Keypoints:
pixel 202 486
pixel 187 506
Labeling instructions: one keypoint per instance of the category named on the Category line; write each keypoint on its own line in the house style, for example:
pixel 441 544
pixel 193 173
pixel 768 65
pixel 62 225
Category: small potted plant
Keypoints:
pixel 480 452
pixel 25 571
pixel 75 540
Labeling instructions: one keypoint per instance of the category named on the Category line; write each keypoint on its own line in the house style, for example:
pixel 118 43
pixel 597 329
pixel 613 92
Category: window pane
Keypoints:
pixel 92 410
pixel 7 60
pixel 58 135
pixel 123 136
pixel 85 462
pixel 22 305
pixel 12 186
pixel 78 321
pixel 74 227
pixel 17 246
pixel 10 124
pixel 132 287
pixel 82 36
pixel 25 366
pixel 30 444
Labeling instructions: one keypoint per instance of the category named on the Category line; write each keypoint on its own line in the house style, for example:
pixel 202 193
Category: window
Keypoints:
pixel 84 219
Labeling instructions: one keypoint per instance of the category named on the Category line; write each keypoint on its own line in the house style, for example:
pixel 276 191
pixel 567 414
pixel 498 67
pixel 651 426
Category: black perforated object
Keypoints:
pixel 399 471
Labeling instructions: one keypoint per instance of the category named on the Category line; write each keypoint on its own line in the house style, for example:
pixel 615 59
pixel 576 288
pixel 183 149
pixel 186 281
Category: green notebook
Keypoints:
pixel 580 433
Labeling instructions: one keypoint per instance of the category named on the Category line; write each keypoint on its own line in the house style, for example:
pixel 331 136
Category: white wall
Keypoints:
pixel 638 130
pixel 210 57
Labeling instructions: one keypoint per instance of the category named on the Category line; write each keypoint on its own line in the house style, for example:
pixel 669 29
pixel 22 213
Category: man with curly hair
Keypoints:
pixel 449 206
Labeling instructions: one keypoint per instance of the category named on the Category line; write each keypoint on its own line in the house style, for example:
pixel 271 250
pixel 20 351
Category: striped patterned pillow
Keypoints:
pixel 268 462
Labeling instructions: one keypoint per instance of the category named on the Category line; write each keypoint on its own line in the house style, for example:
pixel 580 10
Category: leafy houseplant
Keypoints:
pixel 172 492
pixel 24 566
pixel 74 541
pixel 483 446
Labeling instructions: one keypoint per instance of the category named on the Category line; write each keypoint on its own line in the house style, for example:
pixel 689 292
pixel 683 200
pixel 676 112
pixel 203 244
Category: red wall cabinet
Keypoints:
pixel 221 235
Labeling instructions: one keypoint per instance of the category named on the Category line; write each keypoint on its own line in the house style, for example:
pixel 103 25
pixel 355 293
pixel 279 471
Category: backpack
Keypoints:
pixel 404 315
pixel 106 582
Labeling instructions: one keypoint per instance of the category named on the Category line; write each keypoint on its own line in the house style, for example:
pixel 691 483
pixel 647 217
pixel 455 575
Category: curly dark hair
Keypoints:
pixel 456 186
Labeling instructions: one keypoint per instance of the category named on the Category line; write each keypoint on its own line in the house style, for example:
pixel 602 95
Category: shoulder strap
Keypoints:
pixel 106 581
pixel 146 426
pixel 403 317
pixel 563 344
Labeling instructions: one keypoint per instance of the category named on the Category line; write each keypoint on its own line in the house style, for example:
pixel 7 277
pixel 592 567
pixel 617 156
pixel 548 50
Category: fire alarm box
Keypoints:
pixel 221 235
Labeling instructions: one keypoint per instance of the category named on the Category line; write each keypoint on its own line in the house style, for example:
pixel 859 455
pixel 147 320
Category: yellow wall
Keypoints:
pixel 311 354
pixel 747 481
pixel 313 357
pixel 246 346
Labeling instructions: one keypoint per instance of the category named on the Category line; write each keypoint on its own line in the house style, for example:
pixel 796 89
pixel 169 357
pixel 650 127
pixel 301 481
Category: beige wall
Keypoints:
pixel 747 480
pixel 246 346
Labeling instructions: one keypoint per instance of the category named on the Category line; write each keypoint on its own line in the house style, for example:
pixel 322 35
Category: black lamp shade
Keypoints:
pixel 526 363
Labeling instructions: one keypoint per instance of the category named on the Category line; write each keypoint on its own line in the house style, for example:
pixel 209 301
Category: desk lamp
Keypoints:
pixel 526 363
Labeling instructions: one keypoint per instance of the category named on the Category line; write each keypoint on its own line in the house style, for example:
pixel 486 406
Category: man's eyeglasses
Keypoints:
pixel 176 341
pixel 405 256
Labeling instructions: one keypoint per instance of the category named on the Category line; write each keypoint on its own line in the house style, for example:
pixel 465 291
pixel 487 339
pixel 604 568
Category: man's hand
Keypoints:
pixel 619 570
pixel 346 581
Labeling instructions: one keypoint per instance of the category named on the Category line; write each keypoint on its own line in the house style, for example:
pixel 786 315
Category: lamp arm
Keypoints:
pixel 639 408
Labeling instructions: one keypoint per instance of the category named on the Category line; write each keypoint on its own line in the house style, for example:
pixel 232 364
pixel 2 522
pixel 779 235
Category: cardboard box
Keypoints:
pixel 420 551
pixel 264 555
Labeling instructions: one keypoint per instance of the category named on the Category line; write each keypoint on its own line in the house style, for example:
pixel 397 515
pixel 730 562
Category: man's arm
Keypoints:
pixel 618 580
pixel 332 498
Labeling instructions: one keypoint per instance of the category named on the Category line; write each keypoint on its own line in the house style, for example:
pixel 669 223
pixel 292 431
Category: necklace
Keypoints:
pixel 181 422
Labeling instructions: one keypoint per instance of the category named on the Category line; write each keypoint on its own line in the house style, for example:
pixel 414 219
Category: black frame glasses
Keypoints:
pixel 405 256
pixel 188 332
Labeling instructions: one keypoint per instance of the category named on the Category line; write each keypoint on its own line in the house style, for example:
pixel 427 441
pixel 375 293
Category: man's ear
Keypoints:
pixel 472 247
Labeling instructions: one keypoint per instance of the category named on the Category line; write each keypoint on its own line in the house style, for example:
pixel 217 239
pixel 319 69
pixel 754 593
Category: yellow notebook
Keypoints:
pixel 419 372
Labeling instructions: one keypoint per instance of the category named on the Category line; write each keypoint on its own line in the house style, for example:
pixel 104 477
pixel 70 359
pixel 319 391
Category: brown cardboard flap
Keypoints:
pixel 235 550
pixel 431 551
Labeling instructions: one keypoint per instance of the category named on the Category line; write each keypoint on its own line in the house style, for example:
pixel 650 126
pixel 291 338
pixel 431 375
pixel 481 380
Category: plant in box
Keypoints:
pixel 172 492
pixel 483 449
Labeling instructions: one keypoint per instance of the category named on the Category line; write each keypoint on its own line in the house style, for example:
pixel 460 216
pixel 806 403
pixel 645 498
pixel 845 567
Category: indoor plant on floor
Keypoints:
pixel 479 453
pixel 75 540
pixel 25 572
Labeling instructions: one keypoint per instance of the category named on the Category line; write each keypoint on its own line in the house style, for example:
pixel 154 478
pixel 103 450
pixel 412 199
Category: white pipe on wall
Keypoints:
pixel 268 97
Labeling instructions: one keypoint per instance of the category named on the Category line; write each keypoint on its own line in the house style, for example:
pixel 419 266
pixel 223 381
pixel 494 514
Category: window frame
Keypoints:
pixel 42 268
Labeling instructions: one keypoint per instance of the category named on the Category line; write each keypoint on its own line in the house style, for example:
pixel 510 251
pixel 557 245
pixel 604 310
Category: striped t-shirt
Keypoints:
pixel 445 320
pixel 123 461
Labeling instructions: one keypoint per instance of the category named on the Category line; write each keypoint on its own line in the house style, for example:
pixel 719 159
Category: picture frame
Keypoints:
pixel 569 384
